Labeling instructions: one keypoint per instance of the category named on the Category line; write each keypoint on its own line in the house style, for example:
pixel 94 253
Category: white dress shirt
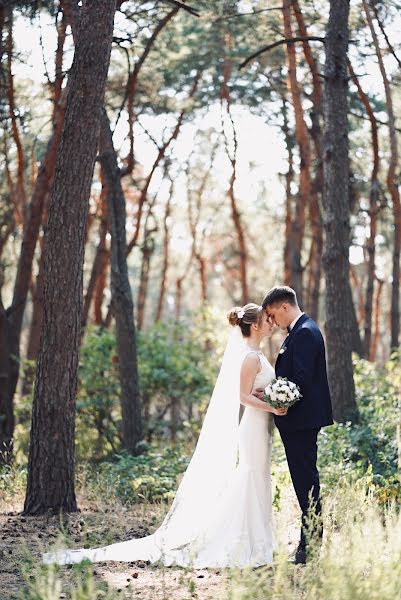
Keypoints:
pixel 291 326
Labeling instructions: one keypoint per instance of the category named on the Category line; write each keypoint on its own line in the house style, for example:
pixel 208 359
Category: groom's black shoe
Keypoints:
pixel 299 557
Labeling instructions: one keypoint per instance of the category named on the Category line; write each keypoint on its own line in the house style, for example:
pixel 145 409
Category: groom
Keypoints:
pixel 302 360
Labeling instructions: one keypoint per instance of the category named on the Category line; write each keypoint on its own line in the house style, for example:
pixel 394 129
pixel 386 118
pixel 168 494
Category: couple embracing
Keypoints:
pixel 222 512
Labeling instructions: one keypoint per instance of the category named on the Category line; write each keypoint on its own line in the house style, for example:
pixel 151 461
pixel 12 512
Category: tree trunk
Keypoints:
pixel 392 185
pixel 148 248
pixel 302 137
pixel 315 217
pixel 101 282
pixel 236 217
pixel 373 214
pixel 315 258
pixel 6 405
pixel 20 193
pixel 163 277
pixel 175 408
pixel 376 332
pixel 202 276
pixel 123 306
pixel 29 238
pixel 178 293
pixel 38 296
pixel 357 286
pixel 59 76
pixel 337 215
pixel 36 324
pixel 98 262
pixel 51 454
pixel 289 178
pixel 194 218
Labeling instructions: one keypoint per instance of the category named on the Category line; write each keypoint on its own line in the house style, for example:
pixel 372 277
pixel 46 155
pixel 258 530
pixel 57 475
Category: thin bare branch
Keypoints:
pixel 310 38
pixel 192 11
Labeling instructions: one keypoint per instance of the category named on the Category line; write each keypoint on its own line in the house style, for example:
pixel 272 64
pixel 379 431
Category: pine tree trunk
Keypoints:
pixel 373 214
pixel 148 249
pixel 20 198
pixel 315 217
pixel 6 405
pixel 376 331
pixel 289 178
pixel 166 247
pixel 392 184
pixel 51 455
pixel 36 324
pixel 337 215
pixel 100 288
pixel 302 137
pixel 98 261
pixel 123 306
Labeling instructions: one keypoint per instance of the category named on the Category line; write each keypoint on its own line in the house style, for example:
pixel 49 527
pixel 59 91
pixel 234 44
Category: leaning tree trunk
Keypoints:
pixel 51 455
pixel 336 215
pixel 123 306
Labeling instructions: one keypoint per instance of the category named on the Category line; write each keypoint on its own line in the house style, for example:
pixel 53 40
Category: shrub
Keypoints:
pixel 367 449
pixel 150 477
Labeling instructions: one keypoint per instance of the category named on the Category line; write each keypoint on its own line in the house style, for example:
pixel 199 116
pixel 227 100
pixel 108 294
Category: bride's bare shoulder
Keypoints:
pixel 251 362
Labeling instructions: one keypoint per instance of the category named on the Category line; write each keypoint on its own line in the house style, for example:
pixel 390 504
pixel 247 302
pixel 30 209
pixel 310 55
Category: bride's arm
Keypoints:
pixel 249 370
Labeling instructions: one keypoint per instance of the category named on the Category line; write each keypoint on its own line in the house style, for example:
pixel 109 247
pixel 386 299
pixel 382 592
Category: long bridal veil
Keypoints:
pixel 204 481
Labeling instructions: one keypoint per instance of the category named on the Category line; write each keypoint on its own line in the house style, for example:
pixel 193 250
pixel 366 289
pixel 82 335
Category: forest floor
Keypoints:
pixel 23 539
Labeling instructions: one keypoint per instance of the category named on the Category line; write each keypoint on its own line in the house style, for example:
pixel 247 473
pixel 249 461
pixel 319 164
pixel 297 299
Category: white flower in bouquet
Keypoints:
pixel 281 393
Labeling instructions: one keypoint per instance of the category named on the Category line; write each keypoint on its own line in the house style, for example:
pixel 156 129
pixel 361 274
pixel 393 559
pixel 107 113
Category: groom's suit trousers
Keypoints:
pixel 301 451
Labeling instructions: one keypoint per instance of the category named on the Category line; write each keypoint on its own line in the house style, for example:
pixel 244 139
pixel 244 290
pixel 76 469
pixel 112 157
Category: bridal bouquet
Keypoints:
pixel 282 393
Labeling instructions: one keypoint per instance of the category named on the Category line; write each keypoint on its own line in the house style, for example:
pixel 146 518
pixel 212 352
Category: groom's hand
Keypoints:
pixel 259 393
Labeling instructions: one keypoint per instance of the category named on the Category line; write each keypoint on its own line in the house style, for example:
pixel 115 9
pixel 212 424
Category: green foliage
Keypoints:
pixel 98 411
pixel 369 448
pixel 150 477
pixel 175 364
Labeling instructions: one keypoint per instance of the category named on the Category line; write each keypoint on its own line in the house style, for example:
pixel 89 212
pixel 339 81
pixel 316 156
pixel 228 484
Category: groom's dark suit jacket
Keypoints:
pixel 302 359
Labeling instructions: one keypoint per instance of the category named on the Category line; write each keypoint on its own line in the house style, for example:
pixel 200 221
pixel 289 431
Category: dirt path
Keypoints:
pixel 23 539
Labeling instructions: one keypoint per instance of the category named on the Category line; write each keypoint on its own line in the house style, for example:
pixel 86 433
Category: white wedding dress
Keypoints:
pixel 215 523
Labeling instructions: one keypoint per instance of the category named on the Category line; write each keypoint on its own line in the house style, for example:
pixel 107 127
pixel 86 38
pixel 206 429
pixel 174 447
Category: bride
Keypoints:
pixel 222 512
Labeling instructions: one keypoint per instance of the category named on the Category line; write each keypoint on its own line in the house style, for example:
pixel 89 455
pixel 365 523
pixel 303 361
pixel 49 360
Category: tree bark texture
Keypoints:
pixel 15 313
pixel 337 215
pixel 123 306
pixel 51 454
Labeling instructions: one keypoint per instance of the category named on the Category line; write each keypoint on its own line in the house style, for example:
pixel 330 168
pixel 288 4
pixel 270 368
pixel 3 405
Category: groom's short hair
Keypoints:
pixel 280 294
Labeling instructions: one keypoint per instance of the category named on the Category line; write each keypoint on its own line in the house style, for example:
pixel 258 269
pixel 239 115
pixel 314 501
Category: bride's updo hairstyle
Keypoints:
pixel 244 317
